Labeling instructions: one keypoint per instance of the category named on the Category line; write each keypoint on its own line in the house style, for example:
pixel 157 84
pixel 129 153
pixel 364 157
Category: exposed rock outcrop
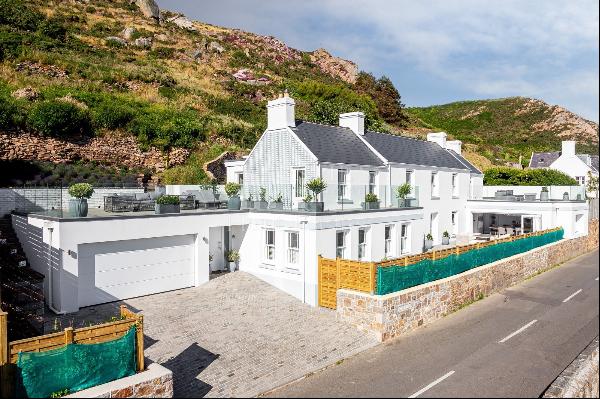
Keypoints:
pixel 149 8
pixel 28 93
pixel 110 150
pixel 183 22
pixel 335 66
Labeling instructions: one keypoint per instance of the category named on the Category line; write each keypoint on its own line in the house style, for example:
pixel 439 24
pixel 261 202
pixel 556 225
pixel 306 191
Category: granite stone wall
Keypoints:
pixel 155 382
pixel 580 379
pixel 391 315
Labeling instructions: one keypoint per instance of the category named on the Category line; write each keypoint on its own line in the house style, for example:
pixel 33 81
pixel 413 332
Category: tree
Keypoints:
pixel 591 184
pixel 386 97
pixel 505 176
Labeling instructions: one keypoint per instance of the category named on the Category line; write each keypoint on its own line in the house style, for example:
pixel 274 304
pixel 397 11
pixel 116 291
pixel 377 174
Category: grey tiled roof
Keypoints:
pixel 335 144
pixel 400 149
pixel 590 160
pixel 464 161
pixel 595 162
pixel 543 159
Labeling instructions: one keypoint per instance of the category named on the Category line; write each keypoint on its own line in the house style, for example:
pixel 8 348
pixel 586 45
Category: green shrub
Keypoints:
pixel 168 128
pixel 81 190
pixel 232 189
pixel 168 200
pixel 111 115
pixel 53 28
pixel 371 197
pixel 316 186
pixel 8 112
pixel 16 14
pixel 58 119
pixel 403 190
pixel 505 176
pixel 162 52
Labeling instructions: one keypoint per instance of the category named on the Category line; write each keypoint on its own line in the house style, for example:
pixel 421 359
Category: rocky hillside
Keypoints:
pixel 139 91
pixel 502 130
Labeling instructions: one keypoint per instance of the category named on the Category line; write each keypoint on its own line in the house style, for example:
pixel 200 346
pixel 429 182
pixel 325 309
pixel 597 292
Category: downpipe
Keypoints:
pixel 50 281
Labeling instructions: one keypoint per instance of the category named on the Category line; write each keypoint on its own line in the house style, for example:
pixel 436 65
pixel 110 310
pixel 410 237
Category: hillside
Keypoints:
pixel 118 92
pixel 502 130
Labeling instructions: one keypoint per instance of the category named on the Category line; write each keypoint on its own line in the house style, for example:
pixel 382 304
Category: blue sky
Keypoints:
pixel 439 51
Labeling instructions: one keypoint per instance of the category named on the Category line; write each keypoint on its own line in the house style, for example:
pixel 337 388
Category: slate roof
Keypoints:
pixel 543 159
pixel 464 161
pixel 590 160
pixel 406 150
pixel 335 144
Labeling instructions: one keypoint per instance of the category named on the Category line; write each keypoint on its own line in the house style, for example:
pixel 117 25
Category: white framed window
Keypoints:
pixel 340 244
pixel 389 232
pixel 404 242
pixel 580 180
pixel 455 185
pixel 293 248
pixel 240 178
pixel 435 184
pixel 269 244
pixel 342 183
pixel 372 181
pixel 299 178
pixel 454 220
pixel 410 177
pixel 362 244
pixel 433 226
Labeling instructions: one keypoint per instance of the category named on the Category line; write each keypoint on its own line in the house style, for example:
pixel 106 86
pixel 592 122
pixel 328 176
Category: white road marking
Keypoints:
pixel 434 383
pixel 520 330
pixel 572 295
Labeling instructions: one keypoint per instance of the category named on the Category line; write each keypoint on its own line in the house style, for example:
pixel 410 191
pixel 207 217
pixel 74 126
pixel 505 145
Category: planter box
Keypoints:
pixel 246 204
pixel 371 205
pixel 428 245
pixel 161 209
pixel 234 203
pixel 261 204
pixel 78 207
pixel 445 240
pixel 315 206
pixel 544 196
pixel 276 205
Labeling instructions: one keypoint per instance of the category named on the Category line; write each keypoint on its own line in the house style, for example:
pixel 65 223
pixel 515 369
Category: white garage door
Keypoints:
pixel 128 269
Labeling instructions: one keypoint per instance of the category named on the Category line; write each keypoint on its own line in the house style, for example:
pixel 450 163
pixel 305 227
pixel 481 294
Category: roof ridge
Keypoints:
pixel 400 135
pixel 326 125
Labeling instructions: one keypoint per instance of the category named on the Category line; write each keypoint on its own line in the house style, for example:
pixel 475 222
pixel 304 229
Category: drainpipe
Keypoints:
pixel 303 222
pixel 50 282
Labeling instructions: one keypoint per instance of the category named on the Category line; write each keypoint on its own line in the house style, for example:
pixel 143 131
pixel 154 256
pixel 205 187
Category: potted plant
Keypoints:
pixel 371 201
pixel 316 186
pixel 80 192
pixel 544 195
pixel 233 257
pixel 248 203
pixel 445 238
pixel 277 203
pixel 233 190
pixel 167 204
pixel 402 192
pixel 303 205
pixel 428 242
pixel 262 199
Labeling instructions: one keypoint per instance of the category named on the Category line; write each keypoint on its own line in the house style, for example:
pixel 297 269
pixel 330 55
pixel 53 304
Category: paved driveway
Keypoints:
pixel 234 336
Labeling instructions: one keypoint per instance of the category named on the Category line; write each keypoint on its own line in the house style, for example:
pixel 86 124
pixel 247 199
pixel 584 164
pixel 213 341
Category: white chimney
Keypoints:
pixel 568 148
pixel 438 137
pixel 455 145
pixel 281 112
pixel 355 121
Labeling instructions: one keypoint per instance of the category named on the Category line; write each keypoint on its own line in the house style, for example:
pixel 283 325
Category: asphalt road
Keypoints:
pixel 511 344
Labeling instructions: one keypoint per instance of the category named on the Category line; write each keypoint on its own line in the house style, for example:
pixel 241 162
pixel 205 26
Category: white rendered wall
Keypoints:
pixel 69 236
pixel 234 168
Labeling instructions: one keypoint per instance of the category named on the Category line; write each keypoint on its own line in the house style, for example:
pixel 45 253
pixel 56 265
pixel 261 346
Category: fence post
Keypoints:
pixel 338 268
pixel 433 254
pixel 6 388
pixel 139 342
pixel 457 250
pixel 68 335
pixel 372 269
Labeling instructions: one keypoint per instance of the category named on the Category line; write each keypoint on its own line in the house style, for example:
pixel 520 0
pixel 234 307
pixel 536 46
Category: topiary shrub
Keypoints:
pixel 168 200
pixel 81 190
pixel 58 119
pixel 232 189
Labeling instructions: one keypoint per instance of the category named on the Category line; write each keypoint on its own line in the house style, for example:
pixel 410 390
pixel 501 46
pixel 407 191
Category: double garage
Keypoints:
pixel 118 270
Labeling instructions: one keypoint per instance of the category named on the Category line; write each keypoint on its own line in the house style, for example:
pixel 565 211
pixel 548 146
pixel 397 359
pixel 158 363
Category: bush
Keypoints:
pixel 232 189
pixel 8 112
pixel 371 197
pixel 162 52
pixel 316 186
pixel 58 119
pixel 168 200
pixel 111 115
pixel 505 176
pixel 166 128
pixel 81 190
pixel 16 14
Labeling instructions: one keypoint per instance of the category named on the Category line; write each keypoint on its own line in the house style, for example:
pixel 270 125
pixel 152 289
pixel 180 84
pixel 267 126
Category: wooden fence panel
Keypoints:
pixel 327 283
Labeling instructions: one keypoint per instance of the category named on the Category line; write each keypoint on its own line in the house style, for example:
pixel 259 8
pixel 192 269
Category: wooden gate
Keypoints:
pixel 342 273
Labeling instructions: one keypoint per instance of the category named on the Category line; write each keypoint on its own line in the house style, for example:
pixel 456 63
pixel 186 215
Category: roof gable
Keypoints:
pixel 335 144
pixel 543 159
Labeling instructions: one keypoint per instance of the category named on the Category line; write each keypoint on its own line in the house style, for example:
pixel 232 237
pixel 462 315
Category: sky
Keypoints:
pixel 437 52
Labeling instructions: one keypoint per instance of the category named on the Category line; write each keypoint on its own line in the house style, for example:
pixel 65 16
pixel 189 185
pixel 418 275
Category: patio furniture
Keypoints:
pixel 206 198
pixel 141 202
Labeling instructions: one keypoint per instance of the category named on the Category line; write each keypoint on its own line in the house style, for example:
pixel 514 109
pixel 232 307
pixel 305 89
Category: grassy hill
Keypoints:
pixel 502 130
pixel 89 76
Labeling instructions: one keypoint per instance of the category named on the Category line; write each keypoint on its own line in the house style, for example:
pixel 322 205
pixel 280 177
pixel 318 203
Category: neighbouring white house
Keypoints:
pixel 578 166
pixel 106 256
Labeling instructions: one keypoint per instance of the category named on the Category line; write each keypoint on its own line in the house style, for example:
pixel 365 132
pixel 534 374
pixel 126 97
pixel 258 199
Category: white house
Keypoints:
pixel 578 166
pixel 106 257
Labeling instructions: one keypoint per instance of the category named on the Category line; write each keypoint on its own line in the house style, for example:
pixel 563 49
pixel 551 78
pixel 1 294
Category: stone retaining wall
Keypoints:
pixel 391 315
pixel 155 382
pixel 580 379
